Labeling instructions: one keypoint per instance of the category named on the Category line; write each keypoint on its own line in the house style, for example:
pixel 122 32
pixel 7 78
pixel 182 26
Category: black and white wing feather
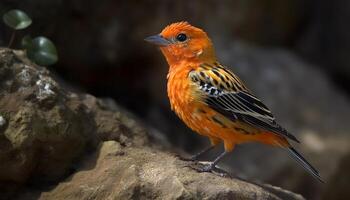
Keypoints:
pixel 225 93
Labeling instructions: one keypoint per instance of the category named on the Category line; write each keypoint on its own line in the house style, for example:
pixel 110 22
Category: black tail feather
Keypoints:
pixel 304 163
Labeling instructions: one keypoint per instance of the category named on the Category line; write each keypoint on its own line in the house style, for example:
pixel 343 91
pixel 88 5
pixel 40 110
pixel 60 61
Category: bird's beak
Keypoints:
pixel 158 40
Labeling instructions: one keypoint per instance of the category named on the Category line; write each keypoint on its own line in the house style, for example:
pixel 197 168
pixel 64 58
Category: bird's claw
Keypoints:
pixel 204 167
pixel 207 168
pixel 210 167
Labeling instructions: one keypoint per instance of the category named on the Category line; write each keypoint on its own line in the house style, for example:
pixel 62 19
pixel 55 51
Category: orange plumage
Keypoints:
pixel 213 101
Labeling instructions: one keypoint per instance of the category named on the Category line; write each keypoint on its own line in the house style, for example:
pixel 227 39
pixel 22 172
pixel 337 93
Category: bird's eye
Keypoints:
pixel 181 37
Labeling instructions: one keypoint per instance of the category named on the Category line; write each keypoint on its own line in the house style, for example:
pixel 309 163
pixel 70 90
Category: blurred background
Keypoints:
pixel 294 55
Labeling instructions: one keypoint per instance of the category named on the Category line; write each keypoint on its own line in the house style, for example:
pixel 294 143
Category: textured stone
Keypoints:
pixel 45 131
pixel 142 173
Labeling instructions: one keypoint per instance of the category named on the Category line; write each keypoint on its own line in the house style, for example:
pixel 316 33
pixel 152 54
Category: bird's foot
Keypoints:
pixel 210 167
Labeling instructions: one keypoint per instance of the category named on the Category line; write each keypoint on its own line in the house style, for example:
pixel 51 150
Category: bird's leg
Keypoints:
pixel 197 155
pixel 210 167
pixel 213 141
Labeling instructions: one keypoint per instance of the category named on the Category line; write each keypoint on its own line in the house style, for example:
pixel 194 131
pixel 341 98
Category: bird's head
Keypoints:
pixel 182 42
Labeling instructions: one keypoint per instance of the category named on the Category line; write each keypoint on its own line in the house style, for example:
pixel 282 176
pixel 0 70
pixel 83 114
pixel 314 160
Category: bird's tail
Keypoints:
pixel 304 163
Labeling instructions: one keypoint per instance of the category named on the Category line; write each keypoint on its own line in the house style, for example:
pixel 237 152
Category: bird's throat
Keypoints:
pixel 176 57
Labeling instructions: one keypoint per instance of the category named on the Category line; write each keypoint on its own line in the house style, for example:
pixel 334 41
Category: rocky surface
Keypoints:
pixel 51 147
pixel 115 172
pixel 43 129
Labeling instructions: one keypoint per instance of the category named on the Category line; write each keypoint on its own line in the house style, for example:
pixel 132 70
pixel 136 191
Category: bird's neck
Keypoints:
pixel 187 65
pixel 178 58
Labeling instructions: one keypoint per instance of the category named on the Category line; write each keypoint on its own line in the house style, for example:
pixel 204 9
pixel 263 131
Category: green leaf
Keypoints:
pixel 42 51
pixel 17 19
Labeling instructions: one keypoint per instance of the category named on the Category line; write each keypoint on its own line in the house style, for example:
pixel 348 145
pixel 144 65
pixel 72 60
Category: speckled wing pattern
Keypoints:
pixel 225 93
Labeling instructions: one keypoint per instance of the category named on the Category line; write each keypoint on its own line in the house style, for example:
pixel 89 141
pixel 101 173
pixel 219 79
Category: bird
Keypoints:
pixel 213 101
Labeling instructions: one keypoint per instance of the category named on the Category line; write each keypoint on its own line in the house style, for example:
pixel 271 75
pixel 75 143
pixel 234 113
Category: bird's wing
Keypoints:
pixel 224 92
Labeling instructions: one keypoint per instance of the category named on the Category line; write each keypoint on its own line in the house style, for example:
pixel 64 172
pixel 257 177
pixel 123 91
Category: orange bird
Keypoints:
pixel 212 100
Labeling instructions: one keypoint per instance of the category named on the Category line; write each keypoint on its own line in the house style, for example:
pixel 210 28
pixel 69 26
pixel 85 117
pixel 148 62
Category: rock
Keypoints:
pixel 45 130
pixel 51 147
pixel 115 172
pixel 115 123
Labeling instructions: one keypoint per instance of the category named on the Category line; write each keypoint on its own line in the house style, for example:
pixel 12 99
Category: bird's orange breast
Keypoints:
pixel 180 92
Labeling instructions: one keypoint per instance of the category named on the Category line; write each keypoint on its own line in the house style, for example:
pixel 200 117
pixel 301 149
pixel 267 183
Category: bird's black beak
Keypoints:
pixel 157 40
